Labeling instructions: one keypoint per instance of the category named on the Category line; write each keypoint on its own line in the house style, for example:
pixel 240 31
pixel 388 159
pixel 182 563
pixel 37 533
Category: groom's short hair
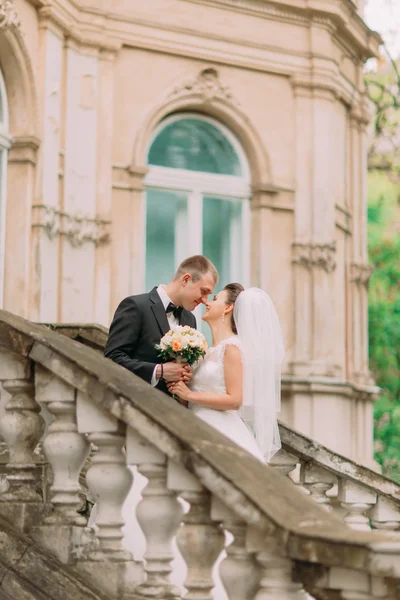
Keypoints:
pixel 197 266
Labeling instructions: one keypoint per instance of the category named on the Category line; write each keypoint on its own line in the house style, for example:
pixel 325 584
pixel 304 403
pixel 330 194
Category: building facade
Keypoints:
pixel 134 134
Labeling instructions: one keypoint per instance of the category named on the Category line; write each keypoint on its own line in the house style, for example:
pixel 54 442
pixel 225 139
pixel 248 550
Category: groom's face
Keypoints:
pixel 196 292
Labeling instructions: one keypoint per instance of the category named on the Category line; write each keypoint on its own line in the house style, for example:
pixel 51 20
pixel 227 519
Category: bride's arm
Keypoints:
pixel 233 372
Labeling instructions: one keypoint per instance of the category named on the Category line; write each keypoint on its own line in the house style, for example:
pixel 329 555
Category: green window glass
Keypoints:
pixel 222 235
pixel 166 235
pixel 194 145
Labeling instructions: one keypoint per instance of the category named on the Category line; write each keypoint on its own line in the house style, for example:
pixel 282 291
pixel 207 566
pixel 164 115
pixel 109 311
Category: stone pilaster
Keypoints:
pixel 359 271
pixel 261 239
pixel 105 112
pixel 18 260
pixel 314 265
pixel 314 249
pixel 128 232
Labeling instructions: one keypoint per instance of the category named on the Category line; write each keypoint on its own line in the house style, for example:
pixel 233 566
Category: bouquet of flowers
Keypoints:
pixel 182 344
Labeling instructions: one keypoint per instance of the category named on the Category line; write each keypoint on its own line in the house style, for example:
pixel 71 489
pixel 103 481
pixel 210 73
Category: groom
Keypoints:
pixel 140 322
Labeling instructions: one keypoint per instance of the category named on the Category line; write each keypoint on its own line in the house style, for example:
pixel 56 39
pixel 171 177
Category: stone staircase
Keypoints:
pixel 312 523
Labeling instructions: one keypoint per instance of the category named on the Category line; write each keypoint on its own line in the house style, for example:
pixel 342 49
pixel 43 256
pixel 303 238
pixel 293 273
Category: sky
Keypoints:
pixel 384 16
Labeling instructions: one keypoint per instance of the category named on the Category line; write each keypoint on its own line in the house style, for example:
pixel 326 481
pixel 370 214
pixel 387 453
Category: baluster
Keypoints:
pixel 277 571
pixel 284 462
pixel 356 499
pixel 239 571
pixel 385 515
pixel 159 514
pixel 356 585
pixel 66 451
pixel 200 539
pixel 65 448
pixel 340 583
pixel 21 428
pixel 109 480
pixel 318 481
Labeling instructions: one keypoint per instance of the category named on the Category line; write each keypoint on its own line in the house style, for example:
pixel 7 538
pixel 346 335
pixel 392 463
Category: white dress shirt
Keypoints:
pixel 172 322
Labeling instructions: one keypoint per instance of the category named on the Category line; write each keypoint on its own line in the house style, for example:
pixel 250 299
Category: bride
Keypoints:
pixel 238 381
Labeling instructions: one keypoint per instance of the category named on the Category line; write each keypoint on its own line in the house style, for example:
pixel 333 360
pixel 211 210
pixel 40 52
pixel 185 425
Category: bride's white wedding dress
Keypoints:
pixel 208 376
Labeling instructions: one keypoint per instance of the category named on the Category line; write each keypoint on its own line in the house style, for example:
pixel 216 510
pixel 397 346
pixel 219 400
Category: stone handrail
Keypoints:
pixel 283 542
pixel 321 471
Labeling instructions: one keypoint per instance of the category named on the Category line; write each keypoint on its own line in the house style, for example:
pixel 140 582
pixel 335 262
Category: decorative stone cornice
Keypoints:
pixel 315 255
pixel 341 16
pixel 77 228
pixel 361 273
pixel 8 14
pixel 207 85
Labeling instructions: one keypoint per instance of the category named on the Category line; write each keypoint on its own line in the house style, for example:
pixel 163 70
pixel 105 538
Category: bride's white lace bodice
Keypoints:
pixel 208 374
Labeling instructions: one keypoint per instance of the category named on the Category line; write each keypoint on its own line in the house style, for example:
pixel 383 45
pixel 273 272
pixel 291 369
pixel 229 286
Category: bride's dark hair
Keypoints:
pixel 233 290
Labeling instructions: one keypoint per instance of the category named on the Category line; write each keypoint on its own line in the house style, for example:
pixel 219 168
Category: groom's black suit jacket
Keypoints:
pixel 138 325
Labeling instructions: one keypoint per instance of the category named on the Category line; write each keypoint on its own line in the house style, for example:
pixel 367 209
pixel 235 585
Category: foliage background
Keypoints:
pixel 384 313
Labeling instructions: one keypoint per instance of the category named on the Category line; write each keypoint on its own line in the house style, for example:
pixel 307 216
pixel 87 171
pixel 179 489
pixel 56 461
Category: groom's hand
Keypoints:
pixel 176 372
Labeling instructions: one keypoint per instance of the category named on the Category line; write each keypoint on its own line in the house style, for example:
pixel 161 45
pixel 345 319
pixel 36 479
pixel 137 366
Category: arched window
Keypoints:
pixel 5 141
pixel 197 199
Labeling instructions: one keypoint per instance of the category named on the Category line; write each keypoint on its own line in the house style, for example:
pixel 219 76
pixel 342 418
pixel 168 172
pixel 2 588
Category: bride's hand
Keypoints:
pixel 180 389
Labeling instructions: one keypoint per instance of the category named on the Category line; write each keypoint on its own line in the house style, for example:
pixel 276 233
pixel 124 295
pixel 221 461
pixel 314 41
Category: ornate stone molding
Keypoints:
pixel 361 273
pixel 207 85
pixel 77 228
pixel 343 18
pixel 315 255
pixel 8 14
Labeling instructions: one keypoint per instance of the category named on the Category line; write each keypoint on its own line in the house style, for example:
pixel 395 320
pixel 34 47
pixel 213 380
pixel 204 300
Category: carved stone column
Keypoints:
pixel 109 480
pixel 159 514
pixel 21 428
pixel 200 539
pixel 357 500
pixel 66 451
pixel 318 481
pixel 385 515
pixel 277 573
pixel 239 571
pixel 339 583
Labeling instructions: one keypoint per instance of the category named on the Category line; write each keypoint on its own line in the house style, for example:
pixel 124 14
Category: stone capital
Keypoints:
pixel 130 178
pixel 361 273
pixel 315 255
pixel 24 149
pixel 8 14
pixel 78 229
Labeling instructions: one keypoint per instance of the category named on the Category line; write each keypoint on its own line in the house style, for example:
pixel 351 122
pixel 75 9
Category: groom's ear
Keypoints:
pixel 185 278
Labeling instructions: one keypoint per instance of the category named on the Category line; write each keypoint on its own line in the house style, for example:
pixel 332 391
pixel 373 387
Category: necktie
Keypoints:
pixel 176 310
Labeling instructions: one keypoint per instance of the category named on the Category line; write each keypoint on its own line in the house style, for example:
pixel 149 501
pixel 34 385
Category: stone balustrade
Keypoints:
pixel 364 498
pixel 61 397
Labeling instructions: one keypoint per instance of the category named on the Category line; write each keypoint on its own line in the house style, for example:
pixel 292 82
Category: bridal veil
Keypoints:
pixel 263 351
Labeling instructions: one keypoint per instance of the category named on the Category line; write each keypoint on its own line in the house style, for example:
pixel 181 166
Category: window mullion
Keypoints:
pixel 195 222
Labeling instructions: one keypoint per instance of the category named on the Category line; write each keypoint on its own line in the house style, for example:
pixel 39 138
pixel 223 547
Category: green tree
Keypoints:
pixel 384 316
